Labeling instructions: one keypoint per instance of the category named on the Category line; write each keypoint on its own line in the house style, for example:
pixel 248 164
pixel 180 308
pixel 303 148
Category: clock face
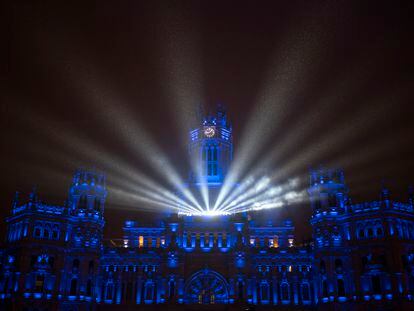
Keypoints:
pixel 209 131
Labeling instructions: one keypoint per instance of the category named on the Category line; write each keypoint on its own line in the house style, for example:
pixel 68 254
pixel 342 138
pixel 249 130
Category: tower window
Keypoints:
pixel 212 163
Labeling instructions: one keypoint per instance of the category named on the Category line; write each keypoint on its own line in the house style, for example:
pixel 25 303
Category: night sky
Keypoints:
pixel 311 83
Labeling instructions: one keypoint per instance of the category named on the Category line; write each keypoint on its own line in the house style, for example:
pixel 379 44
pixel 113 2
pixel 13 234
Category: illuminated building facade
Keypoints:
pixel 362 255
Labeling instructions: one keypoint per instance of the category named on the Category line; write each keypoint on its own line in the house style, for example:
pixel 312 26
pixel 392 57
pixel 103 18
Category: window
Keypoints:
pixel 322 266
pixel 73 287
pixel 364 262
pixel 148 291
pixel 264 289
pixel 46 231
pixel 341 288
pixel 33 261
pixel 40 280
pixel 140 241
pixel 97 205
pixel 55 232
pixel 361 233
pixel 171 289
pixel 338 265
pixel 129 291
pixel 332 200
pixel 305 291
pixel 376 284
pixel 89 288
pixel 109 290
pixel 51 261
pixel 212 156
pixel 379 232
pixel 285 291
pixel 370 232
pixel 75 264
pixel 276 241
pixel 240 290
pixel 324 288
pixel 91 266
pixel 37 232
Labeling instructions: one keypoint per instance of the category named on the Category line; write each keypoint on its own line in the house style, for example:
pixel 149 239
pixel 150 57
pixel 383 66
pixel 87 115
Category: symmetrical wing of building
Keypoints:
pixel 362 255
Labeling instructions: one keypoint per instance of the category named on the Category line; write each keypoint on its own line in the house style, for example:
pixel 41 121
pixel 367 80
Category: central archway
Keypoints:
pixel 206 287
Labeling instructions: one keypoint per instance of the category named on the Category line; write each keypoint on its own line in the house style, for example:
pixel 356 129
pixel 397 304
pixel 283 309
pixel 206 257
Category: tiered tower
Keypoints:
pixel 328 198
pixel 211 148
pixel 84 235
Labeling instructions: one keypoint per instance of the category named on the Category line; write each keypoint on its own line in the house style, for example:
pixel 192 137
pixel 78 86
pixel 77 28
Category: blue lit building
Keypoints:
pixel 361 256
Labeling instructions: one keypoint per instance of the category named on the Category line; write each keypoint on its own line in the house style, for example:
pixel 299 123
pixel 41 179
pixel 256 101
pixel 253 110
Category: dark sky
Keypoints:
pixel 314 82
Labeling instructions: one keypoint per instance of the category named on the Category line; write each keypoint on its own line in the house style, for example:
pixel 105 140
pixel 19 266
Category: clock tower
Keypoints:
pixel 211 150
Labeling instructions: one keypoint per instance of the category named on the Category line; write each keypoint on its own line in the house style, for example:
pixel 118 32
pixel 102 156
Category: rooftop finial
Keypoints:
pixel 385 192
pixel 15 200
pixel 33 195
pixel 411 195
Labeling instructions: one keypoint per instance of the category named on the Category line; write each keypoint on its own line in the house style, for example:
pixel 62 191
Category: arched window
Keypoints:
pixel 361 233
pixel 370 232
pixel 284 291
pixel 338 265
pixel 37 230
pixel 51 261
pixel 46 232
pixel 322 266
pixel 264 292
pixel 109 291
pixel 55 232
pixel 97 205
pixel 129 291
pixel 171 289
pixel 305 291
pixel 89 288
pixel 364 262
pixel 149 289
pixel 332 200
pixel 376 284
pixel 341 288
pixel 212 161
pixel 40 280
pixel 83 201
pixel 240 290
pixel 73 287
pixel 379 232
pixel 75 264
pixel 91 266
pixel 324 288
